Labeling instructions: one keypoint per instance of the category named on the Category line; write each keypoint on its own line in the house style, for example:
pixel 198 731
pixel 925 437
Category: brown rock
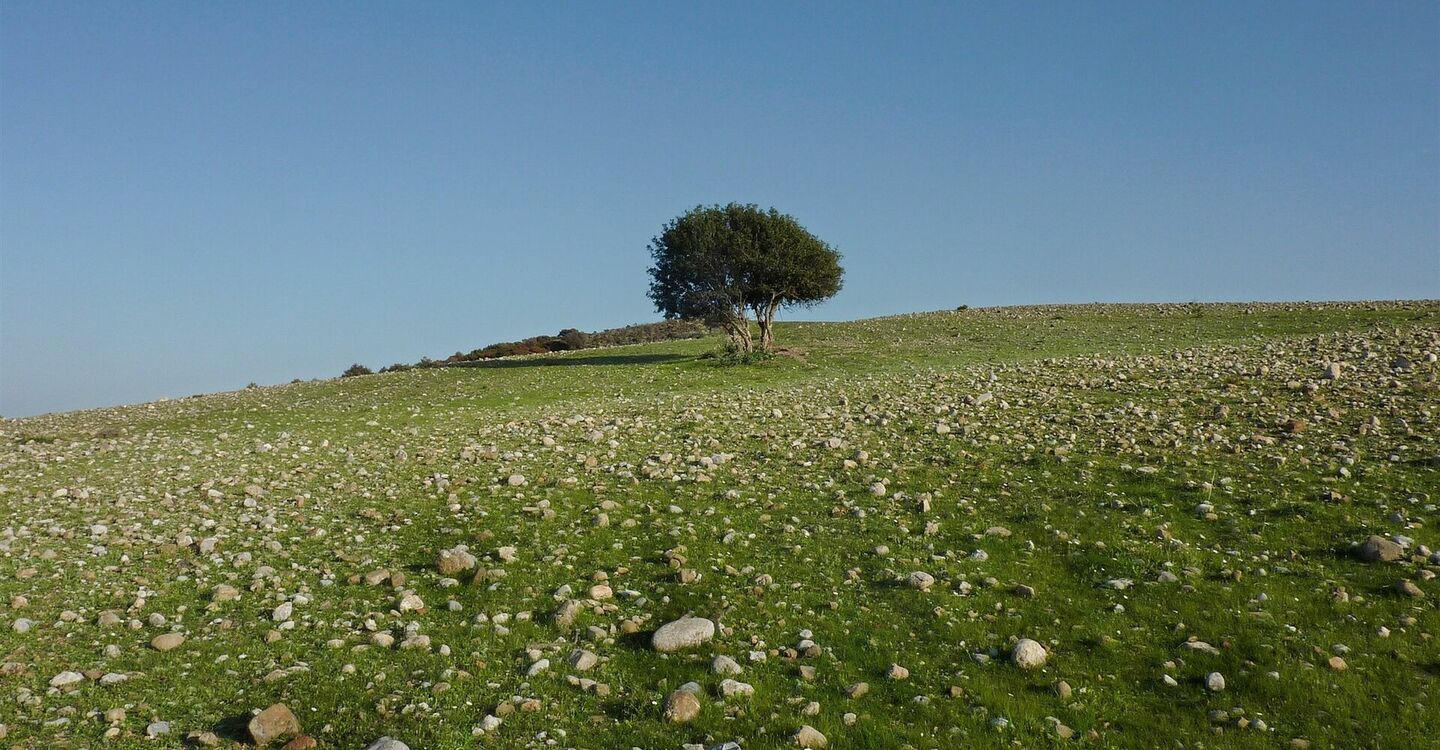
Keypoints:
pixel 682 706
pixel 274 723
pixel 809 737
pixel 167 641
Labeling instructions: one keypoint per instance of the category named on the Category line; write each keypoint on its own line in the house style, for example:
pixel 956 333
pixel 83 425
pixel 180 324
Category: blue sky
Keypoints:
pixel 194 196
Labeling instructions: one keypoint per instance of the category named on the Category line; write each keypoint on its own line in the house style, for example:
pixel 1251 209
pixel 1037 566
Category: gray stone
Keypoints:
pixel 735 688
pixel 583 660
pixel 1028 654
pixel 687 632
pixel 65 679
pixel 725 665
pixel 1379 549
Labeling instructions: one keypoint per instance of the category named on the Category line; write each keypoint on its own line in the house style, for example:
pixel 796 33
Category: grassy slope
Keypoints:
pixel 1126 394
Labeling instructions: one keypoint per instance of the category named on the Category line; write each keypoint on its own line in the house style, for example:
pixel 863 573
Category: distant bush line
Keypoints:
pixel 569 339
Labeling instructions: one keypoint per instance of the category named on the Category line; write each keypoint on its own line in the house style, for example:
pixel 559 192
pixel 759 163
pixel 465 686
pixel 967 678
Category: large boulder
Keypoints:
pixel 1028 654
pixel 1379 549
pixel 686 632
pixel 681 707
pixel 274 723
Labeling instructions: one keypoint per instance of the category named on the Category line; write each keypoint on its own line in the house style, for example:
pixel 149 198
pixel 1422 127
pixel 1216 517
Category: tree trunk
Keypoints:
pixel 765 316
pixel 738 327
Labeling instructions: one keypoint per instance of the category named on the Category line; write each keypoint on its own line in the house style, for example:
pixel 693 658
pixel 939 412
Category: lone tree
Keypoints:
pixel 721 263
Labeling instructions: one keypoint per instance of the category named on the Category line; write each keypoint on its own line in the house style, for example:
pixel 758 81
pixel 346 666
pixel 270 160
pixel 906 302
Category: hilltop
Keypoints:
pixel 1101 525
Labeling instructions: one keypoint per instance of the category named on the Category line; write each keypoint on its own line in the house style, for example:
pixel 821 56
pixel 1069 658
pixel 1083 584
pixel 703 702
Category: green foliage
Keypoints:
pixel 719 263
pixel 356 369
pixel 731 355
pixel 569 339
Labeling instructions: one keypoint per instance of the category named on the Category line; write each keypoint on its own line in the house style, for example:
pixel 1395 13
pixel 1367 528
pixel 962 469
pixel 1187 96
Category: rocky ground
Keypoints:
pixel 1105 526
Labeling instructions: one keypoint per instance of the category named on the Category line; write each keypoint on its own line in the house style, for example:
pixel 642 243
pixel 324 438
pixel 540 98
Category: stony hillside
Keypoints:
pixel 1099 526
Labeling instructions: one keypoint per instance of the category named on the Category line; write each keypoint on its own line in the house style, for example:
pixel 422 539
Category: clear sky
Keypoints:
pixel 194 196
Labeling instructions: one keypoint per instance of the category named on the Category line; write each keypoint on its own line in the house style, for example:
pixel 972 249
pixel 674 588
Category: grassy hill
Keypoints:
pixel 1153 493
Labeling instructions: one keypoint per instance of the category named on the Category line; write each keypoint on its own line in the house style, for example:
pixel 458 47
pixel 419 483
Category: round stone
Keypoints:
pixel 1028 654
pixel 687 632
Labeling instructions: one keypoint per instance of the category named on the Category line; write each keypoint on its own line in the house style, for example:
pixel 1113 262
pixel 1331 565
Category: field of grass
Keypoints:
pixel 1153 493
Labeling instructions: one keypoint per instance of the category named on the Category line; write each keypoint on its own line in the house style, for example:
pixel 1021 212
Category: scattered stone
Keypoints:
pixel 809 737
pixel 167 641
pixel 454 561
pixel 274 723
pixel 1407 587
pixel 724 665
pixel 681 707
pixel 582 660
pixel 1028 654
pixel 920 580
pixel 66 679
pixel 1379 549
pixel 566 613
pixel 687 632
pixel 735 688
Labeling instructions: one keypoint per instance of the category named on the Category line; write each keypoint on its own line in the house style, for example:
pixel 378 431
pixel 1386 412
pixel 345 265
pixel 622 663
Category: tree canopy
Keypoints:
pixel 721 263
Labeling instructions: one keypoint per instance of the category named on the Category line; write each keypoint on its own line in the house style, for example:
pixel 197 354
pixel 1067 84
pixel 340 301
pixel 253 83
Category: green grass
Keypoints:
pixel 1101 439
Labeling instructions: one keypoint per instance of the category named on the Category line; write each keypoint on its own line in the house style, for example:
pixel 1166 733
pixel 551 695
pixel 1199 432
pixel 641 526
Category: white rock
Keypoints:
pixel 1028 654
pixel 920 580
pixel 725 665
pixel 734 688
pixel 66 678
pixel 687 632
